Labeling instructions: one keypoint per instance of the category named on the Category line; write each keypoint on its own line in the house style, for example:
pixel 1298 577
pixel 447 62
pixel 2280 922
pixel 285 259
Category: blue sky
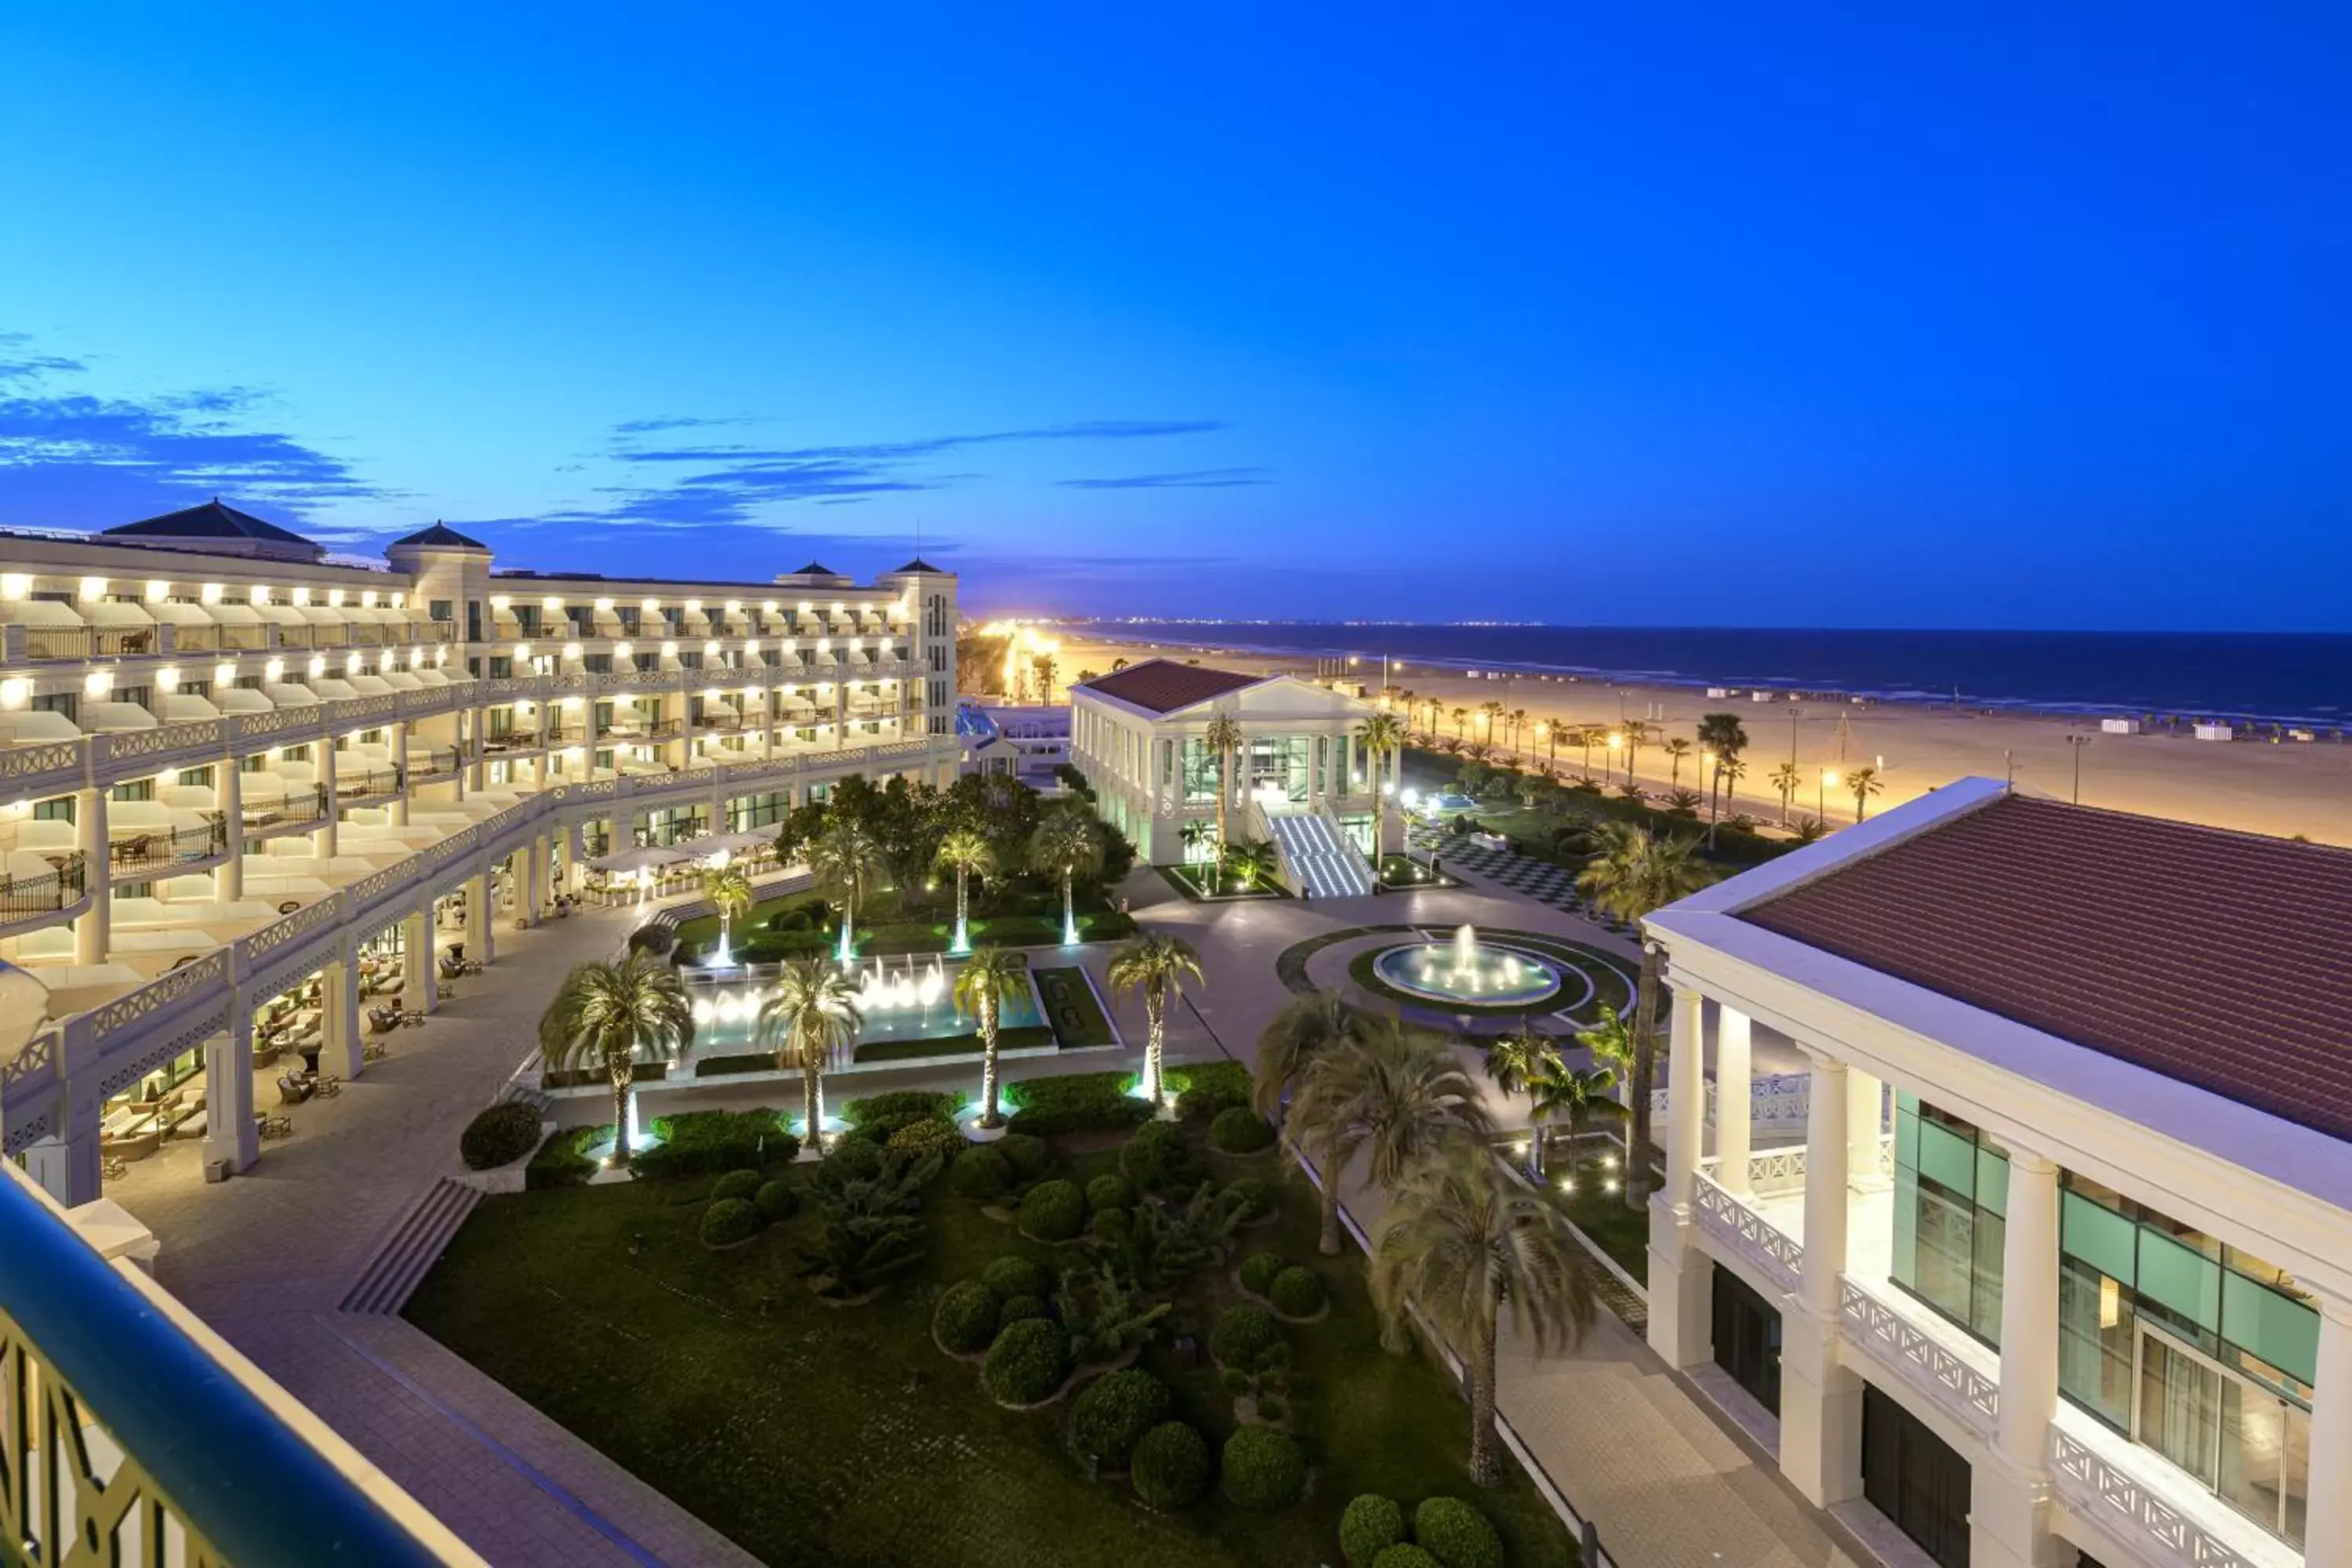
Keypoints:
pixel 1859 316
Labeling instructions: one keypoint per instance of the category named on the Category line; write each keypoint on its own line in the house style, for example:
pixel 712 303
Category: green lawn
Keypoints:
pixel 812 1434
pixel 1598 1210
pixel 1191 880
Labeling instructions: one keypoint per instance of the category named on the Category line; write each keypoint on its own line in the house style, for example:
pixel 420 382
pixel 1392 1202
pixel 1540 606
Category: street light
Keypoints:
pixel 2075 744
pixel 1822 802
pixel 1616 743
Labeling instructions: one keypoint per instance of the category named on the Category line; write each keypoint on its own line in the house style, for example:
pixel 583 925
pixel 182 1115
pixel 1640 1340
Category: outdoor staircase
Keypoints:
pixel 521 1093
pixel 411 1249
pixel 1317 858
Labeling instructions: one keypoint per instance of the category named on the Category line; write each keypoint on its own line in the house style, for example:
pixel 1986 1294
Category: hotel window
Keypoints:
pixel 444 610
pixel 202 776
pixel 501 667
pixel 598 664
pixel 140 789
pixel 61 809
pixel 578 615
pixel 1199 772
pixel 65 702
pixel 629 620
pixel 526 622
pixel 1951 1187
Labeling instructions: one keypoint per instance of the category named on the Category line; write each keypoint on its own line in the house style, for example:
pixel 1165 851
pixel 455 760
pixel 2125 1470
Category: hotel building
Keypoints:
pixel 2061 1271
pixel 240 778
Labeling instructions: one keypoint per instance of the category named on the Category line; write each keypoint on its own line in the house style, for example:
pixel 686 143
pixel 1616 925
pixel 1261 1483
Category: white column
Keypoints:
pixel 324 839
pixel 534 879
pixel 2327 1529
pixel 229 1132
pixel 1826 1197
pixel 1820 1399
pixel 1864 1101
pixel 2010 1504
pixel 1680 1314
pixel 92 929
pixel 339 1008
pixel 1685 1096
pixel 1732 1100
pixel 420 985
pixel 228 882
pixel 399 813
pixel 479 925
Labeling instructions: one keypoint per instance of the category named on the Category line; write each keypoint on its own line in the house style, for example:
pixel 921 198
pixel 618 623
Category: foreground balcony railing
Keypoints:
pixel 130 1434
pixel 28 898
pixel 172 847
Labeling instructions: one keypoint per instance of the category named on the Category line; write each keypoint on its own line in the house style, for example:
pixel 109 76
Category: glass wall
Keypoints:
pixel 1277 763
pixel 1200 773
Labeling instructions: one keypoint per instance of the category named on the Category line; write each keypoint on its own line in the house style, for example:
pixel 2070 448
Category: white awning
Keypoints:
pixel 367 685
pixel 35 725
pixel 331 690
pixel 289 695
pixel 243 699
pixel 115 717
pixel 284 615
pixel 116 612
pixel 430 677
pixel 401 680
pixel 185 708
pixel 180 613
pixel 321 615
pixel 234 615
pixel 38 613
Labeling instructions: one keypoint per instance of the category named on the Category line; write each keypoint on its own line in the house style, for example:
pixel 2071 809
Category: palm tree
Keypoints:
pixel 1253 863
pixel 845 857
pixel 1222 735
pixel 1785 779
pixel 1305 1027
pixel 1158 966
pixel 1517 1060
pixel 1863 783
pixel 1632 876
pixel 1044 668
pixel 1581 1095
pixel 728 891
pixel 1518 724
pixel 1461 716
pixel 1678 748
pixel 603 1014
pixel 965 851
pixel 1730 769
pixel 1064 843
pixel 812 1014
pixel 1723 734
pixel 1380 737
pixel 1491 713
pixel 1397 1097
pixel 1463 1243
pixel 988 979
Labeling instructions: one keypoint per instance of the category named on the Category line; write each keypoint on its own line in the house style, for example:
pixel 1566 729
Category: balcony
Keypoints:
pixel 161 849
pixel 32 895
pixel 363 787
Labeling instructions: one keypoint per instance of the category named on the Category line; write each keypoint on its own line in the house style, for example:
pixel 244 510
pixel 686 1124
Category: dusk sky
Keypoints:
pixel 1808 316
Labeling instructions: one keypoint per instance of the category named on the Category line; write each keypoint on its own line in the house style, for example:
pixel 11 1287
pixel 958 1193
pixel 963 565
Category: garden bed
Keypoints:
pixel 1073 1009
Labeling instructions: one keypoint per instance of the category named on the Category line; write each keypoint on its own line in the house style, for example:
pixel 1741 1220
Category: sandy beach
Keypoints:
pixel 2261 787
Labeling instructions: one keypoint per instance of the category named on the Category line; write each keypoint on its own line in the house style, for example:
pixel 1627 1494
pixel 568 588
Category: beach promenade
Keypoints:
pixel 2257 786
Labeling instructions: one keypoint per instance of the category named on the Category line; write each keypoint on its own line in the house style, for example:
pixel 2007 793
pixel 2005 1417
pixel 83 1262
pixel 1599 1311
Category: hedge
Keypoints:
pixel 1111 1415
pixel 729 1221
pixel 1170 1466
pixel 902 1102
pixel 1203 1091
pixel 1113 1225
pixel 1297 1292
pixel 736 1184
pixel 1403 1554
pixel 1265 1468
pixel 1456 1535
pixel 1238 1130
pixel 499 1135
pixel 776 1200
pixel 1242 1336
pixel 979 1175
pixel 852 1159
pixel 1160 1158
pixel 1259 1271
pixel 707 1143
pixel 1253 1196
pixel 559 1162
pixel 1075 1102
pixel 1014 1275
pixel 1370 1524
pixel 1052 1211
pixel 1027 1361
pixel 965 1321
pixel 1020 1310
pixel 929 1135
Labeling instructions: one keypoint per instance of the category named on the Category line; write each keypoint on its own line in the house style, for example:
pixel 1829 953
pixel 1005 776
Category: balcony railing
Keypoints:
pixel 373 783
pixel 1779 1256
pixel 298 807
pixel 172 847
pixel 433 761
pixel 116 1423
pixel 511 741
pixel 29 897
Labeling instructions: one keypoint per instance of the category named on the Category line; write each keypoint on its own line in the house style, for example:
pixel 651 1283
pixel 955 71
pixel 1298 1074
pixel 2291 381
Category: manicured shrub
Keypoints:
pixel 1251 1197
pixel 1242 1336
pixel 1456 1535
pixel 1403 1554
pixel 1170 1466
pixel 729 1221
pixel 1264 1468
pixel 1297 1292
pixel 1203 1091
pixel 1109 1191
pixel 562 1160
pixel 1075 1102
pixel 1240 1131
pixel 1014 1275
pixel 776 1200
pixel 1111 1415
pixel 707 1143
pixel 979 1174
pixel 852 1159
pixel 1019 1308
pixel 929 1135
pixel 1370 1523
pixel 1158 1159
pixel 966 1319
pixel 1234 1381
pixel 1259 1271
pixel 1053 1211
pixel 1113 1225
pixel 1025 1156
pixel 1028 1360
pixel 902 1102
pixel 736 1184
pixel 882 1129
pixel 498 1136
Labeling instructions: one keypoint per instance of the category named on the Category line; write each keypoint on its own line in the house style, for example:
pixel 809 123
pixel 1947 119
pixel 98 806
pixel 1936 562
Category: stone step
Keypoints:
pixel 415 1245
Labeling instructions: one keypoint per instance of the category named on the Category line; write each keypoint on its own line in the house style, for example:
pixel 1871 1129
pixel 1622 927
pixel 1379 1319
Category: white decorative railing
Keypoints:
pixel 1779 1256
pixel 1959 1389
pixel 2123 1503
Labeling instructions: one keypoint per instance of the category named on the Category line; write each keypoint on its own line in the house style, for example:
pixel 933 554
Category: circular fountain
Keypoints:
pixel 1467 970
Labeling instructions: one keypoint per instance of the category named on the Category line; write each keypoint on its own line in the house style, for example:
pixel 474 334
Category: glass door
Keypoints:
pixel 2245 1444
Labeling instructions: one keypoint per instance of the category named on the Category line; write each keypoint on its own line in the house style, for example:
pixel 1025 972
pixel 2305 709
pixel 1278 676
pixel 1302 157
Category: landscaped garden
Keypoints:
pixel 1102 1339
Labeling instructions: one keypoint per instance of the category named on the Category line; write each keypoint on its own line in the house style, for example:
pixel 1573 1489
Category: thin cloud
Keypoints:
pixel 1190 479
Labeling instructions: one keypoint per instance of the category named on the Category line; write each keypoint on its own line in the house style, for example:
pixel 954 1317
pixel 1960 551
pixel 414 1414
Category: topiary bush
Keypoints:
pixel 1240 1131
pixel 1456 1535
pixel 1264 1468
pixel 1113 1225
pixel 1259 1271
pixel 1052 1211
pixel 852 1159
pixel 1403 1554
pixel 1243 1336
pixel 498 1136
pixel 902 1103
pixel 979 1175
pixel 776 1200
pixel 1253 1198
pixel 929 1135
pixel 1014 1275
pixel 1202 1092
pixel 1075 1102
pixel 1170 1466
pixel 710 1142
pixel 1111 1415
pixel 1158 1159
pixel 1297 1292
pixel 736 1184
pixel 1109 1191
pixel 1370 1523
pixel 1019 1308
pixel 1028 1361
pixel 965 1321
pixel 728 1222
pixel 1025 1156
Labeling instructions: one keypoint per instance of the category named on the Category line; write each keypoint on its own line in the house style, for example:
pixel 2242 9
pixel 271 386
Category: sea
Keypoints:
pixel 2281 678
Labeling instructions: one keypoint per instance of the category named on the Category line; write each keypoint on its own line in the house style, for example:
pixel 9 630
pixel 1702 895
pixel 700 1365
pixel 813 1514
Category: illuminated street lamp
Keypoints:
pixel 1830 781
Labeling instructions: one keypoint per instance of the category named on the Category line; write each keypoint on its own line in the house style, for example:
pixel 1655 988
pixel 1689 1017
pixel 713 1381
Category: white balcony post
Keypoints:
pixel 1820 1399
pixel 324 839
pixel 420 988
pixel 1680 1322
pixel 399 812
pixel 230 1135
pixel 228 882
pixel 1826 1199
pixel 480 927
pixel 2012 1499
pixel 1733 1097
pixel 339 1000
pixel 2327 1527
pixel 1864 1110
pixel 1686 1097
pixel 92 929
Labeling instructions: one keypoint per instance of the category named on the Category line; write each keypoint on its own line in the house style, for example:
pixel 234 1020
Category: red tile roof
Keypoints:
pixel 2222 960
pixel 1163 686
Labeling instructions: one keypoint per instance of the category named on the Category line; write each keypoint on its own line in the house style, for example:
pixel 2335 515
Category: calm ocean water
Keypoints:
pixel 2303 678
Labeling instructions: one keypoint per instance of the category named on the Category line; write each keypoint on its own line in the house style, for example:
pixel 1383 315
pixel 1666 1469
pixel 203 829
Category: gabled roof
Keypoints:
pixel 918 565
pixel 817 569
pixel 440 536
pixel 2220 960
pixel 212 519
pixel 1162 686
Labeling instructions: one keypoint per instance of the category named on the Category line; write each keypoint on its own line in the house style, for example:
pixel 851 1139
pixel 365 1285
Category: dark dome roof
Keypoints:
pixel 212 519
pixel 440 536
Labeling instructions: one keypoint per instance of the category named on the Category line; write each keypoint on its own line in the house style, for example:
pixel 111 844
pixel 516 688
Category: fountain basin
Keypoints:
pixel 1467 970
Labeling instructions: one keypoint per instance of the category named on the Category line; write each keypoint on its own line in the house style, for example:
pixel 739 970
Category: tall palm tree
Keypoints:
pixel 1463 1244
pixel 1396 1098
pixel 1065 844
pixel 1518 724
pixel 1785 779
pixel 1517 1060
pixel 1305 1027
pixel 812 1014
pixel 1581 1095
pixel 1222 735
pixel 1863 783
pixel 1157 965
pixel 1461 716
pixel 1632 875
pixel 988 979
pixel 966 852
pixel 1491 713
pixel 728 891
pixel 845 857
pixel 1380 737
pixel 1730 769
pixel 1678 748
pixel 1723 734
pixel 1253 863
pixel 605 1014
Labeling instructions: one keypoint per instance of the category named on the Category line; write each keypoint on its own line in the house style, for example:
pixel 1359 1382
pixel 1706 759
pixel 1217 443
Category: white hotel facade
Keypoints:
pixel 231 766
pixel 2061 1271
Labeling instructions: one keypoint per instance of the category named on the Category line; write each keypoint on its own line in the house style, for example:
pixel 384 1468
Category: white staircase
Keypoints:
pixel 1317 858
